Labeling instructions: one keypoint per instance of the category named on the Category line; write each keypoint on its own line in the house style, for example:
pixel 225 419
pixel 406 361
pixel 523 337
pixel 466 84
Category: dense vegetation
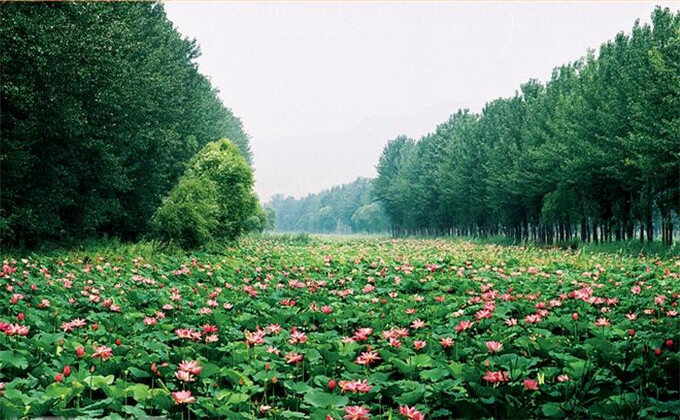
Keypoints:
pixel 101 107
pixel 212 202
pixel 347 208
pixel 592 154
pixel 391 329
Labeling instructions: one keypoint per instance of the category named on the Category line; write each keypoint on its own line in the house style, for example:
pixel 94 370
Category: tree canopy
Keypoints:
pixel 101 107
pixel 342 209
pixel 213 200
pixel 593 153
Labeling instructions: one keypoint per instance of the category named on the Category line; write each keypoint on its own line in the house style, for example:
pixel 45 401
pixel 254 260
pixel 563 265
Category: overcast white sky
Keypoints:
pixel 321 87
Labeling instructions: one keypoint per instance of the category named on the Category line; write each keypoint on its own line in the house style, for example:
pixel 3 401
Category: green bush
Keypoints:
pixel 213 200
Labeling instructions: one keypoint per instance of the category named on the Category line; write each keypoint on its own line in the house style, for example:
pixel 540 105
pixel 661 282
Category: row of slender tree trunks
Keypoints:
pixel 588 230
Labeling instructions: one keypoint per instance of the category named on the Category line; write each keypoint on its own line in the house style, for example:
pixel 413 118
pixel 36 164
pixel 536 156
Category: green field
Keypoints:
pixel 300 327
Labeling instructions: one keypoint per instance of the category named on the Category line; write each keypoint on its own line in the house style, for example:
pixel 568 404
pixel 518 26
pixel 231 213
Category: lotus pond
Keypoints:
pixel 331 329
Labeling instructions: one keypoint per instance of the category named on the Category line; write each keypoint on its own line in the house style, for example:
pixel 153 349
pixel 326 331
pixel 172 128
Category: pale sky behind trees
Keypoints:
pixel 321 87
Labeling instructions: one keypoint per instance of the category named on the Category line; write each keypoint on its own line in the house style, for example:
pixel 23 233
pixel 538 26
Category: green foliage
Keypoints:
pixel 188 216
pixel 330 211
pixel 101 107
pixel 442 303
pixel 213 200
pixel 594 153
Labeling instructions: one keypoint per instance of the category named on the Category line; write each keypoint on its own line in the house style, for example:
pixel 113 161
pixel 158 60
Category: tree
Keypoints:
pixel 222 207
pixel 101 107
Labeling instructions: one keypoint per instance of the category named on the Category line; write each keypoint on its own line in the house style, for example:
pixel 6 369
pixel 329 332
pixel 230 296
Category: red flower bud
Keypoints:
pixel 574 316
pixel 58 377
pixel 669 343
pixel 67 370
pixel 331 384
pixel 631 333
pixel 657 352
pixel 80 351
pixel 20 317
pixel 118 342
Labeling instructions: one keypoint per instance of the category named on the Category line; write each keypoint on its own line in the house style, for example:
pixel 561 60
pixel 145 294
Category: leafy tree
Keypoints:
pixel 101 106
pixel 593 153
pixel 221 206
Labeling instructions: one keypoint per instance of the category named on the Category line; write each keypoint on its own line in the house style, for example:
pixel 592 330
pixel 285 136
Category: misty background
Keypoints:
pixel 321 87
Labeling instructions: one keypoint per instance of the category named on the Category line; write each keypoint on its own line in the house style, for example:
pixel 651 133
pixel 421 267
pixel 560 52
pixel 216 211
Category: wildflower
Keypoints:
pixel 293 358
pixel 530 384
pixel 533 319
pixel 356 412
pixel 419 344
pixel 184 376
pixel 447 342
pixel 498 376
pixel 183 397
pixel 463 325
pixel 494 346
pixel 367 358
pixel 103 352
pixel 192 367
pixel 563 378
pixel 411 413
pixel 355 386
pixel 602 322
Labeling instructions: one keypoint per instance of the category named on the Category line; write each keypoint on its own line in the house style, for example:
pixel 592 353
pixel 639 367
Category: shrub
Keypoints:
pixel 213 200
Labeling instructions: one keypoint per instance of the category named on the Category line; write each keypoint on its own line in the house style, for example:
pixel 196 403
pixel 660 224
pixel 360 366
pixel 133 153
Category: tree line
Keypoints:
pixel 348 208
pixel 102 106
pixel 592 154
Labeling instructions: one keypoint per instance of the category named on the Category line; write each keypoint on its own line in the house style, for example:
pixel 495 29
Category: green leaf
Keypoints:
pixel 140 392
pixel 434 375
pixel 9 357
pixel 293 415
pixel 552 410
pixel 317 399
pixel 98 382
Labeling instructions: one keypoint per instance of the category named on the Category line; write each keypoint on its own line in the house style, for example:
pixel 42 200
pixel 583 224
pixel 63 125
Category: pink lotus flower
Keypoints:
pixel 494 377
pixel 356 386
pixel 511 322
pixel 183 397
pixel 356 412
pixel 297 337
pixel 103 352
pixel 419 344
pixel 602 322
pixel 494 346
pixel 16 329
pixel 184 376
pixel 293 358
pixel 530 384
pixel 417 324
pixel 192 367
pixel 208 329
pixel 367 358
pixel 411 413
pixel 533 319
pixel 447 342
pixel 562 378
pixel 463 325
